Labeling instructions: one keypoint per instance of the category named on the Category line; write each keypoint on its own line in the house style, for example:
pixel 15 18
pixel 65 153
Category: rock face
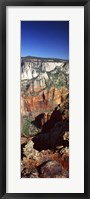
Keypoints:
pixel 43 84
pixel 44 164
pixel 44 118
pixel 53 169
pixel 40 67
pixel 46 100
pixel 38 74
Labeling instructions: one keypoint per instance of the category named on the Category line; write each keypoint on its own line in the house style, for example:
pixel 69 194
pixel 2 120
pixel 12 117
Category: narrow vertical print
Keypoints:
pixel 44 99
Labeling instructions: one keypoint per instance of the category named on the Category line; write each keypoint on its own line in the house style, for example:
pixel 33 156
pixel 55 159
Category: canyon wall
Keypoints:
pixel 44 83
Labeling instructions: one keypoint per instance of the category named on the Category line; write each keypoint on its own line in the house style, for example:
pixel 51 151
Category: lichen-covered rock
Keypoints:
pixel 30 152
pixel 52 169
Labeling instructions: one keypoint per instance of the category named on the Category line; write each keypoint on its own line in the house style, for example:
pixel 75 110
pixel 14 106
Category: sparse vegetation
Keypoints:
pixel 26 125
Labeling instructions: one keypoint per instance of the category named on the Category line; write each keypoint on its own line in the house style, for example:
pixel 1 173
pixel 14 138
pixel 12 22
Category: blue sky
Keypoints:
pixel 45 39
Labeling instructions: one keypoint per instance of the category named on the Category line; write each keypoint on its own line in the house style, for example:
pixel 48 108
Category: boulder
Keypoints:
pixel 52 169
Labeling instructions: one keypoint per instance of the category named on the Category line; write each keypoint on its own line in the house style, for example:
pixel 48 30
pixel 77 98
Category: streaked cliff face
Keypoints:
pixel 38 72
pixel 30 69
pixel 43 83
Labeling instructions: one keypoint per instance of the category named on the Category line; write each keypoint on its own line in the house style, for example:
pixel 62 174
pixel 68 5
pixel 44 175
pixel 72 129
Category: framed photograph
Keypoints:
pixel 44 99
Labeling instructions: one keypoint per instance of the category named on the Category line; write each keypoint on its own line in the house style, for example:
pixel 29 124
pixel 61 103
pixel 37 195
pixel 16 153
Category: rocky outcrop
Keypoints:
pixel 52 169
pixel 30 152
pixel 44 164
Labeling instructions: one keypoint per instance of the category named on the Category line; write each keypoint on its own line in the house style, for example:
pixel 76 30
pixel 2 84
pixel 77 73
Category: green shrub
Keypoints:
pixel 25 130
